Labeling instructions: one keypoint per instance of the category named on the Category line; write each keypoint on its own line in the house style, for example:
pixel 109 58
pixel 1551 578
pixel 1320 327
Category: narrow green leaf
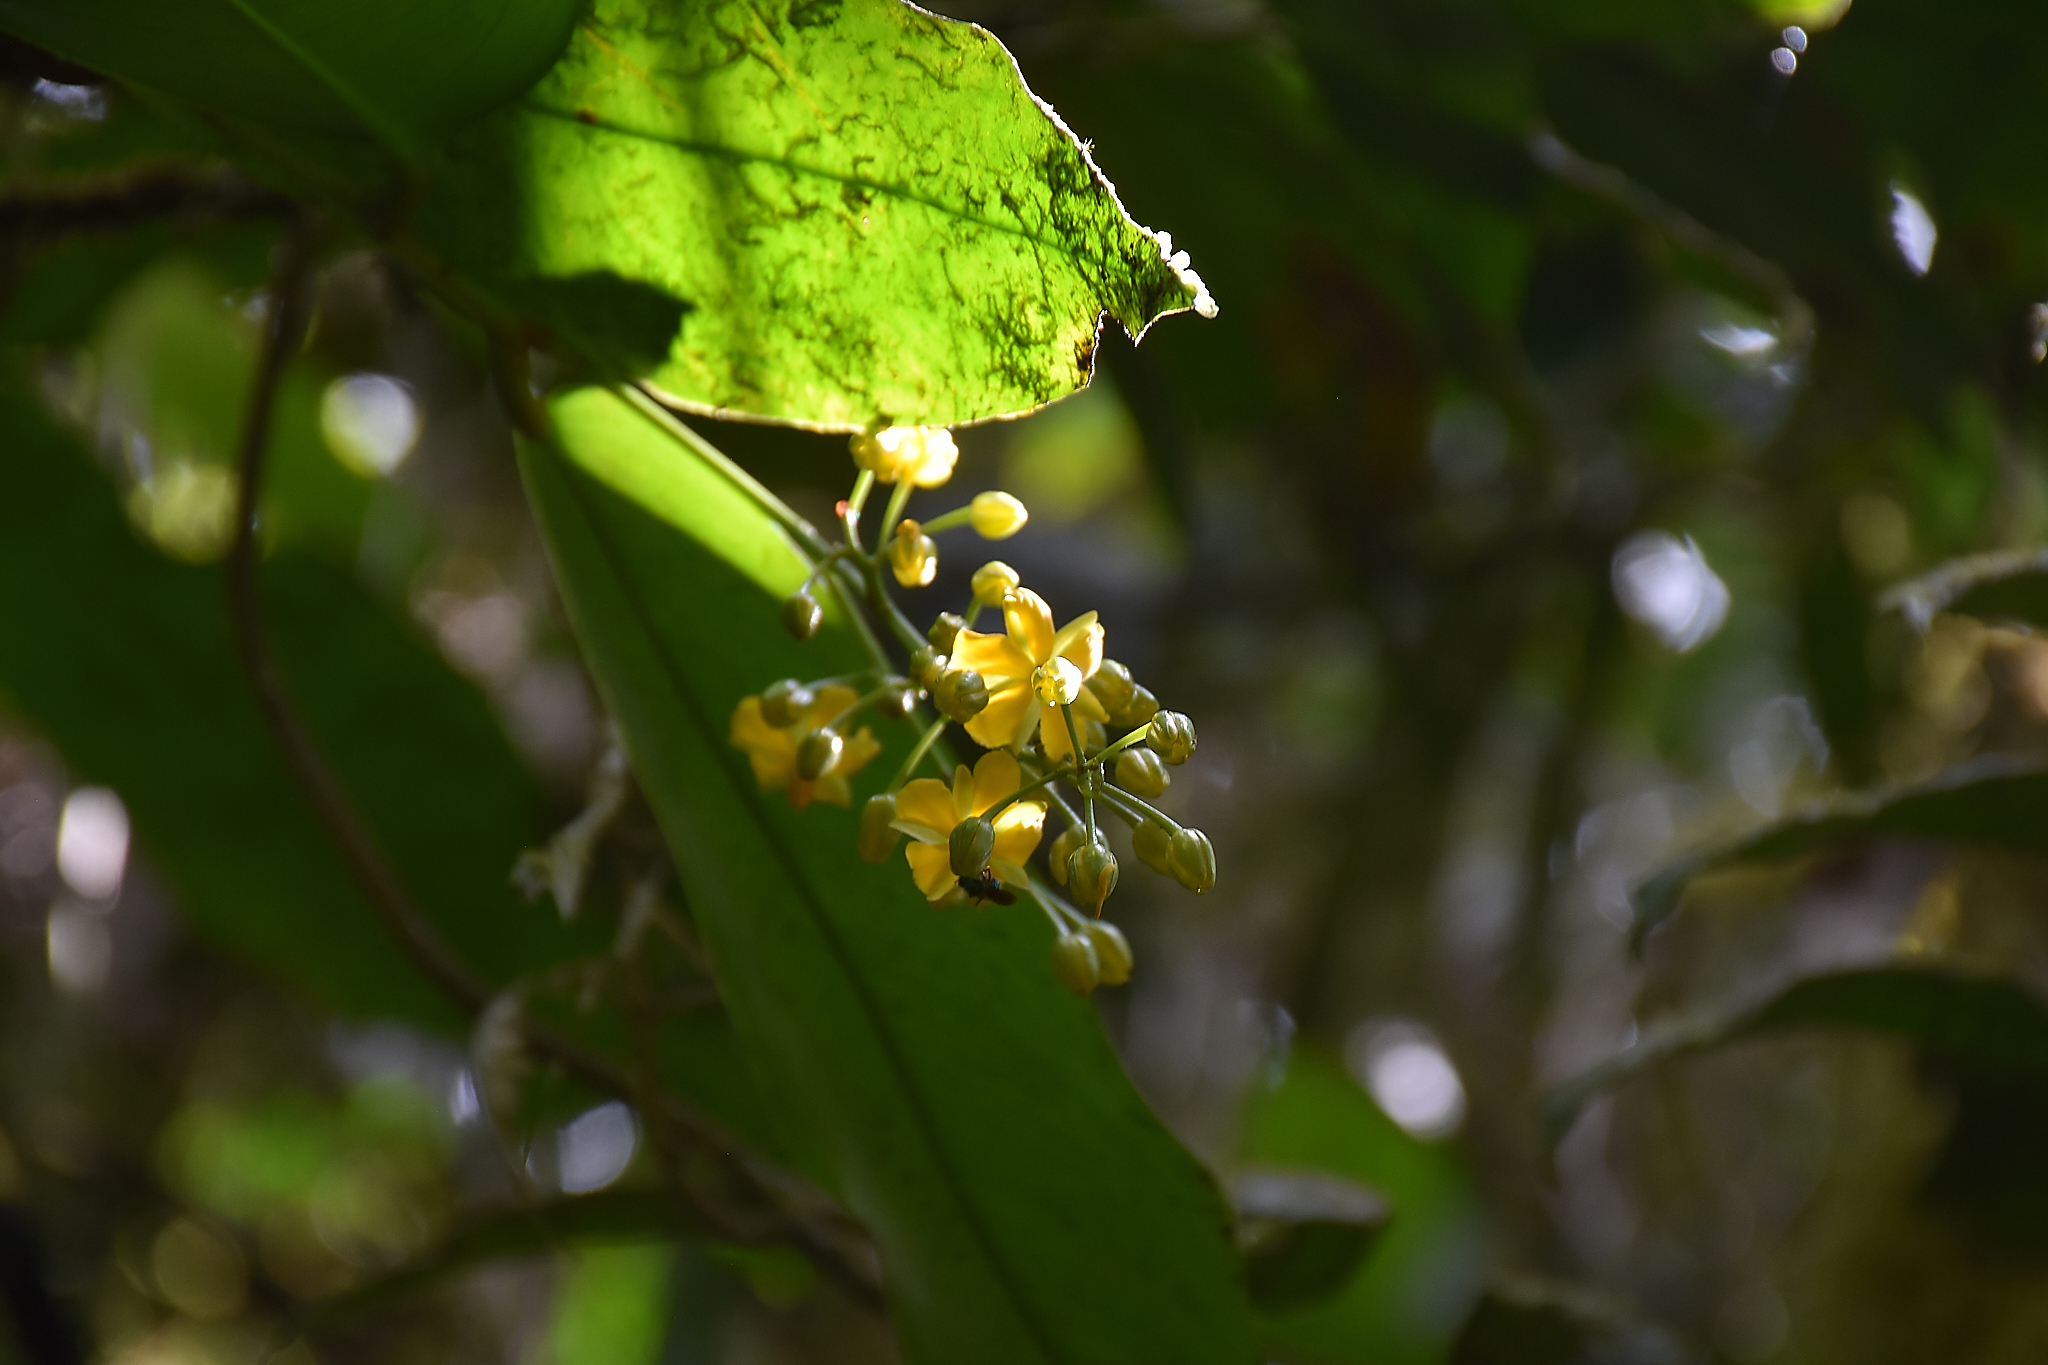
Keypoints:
pixel 406 72
pixel 2009 585
pixel 2001 800
pixel 855 208
pixel 1028 1206
pixel 1992 1023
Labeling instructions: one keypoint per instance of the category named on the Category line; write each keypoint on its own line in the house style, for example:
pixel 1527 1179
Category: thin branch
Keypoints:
pixel 109 205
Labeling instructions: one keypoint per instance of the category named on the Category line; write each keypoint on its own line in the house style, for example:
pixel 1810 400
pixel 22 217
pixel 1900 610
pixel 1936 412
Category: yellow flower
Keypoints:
pixel 772 751
pixel 927 810
pixel 1008 662
pixel 923 455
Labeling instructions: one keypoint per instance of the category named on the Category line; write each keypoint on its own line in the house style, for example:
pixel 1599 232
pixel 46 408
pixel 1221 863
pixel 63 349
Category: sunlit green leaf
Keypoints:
pixel 1027 1205
pixel 855 208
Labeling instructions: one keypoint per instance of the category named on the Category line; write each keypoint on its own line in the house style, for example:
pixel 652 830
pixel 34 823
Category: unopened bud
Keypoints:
pixel 1141 707
pixel 897 701
pixel 1153 844
pixel 1091 874
pixel 784 701
pixel 1112 686
pixel 993 582
pixel 1112 953
pixel 1063 848
pixel 925 664
pixel 878 834
pixel 913 556
pixel 1073 962
pixel 817 753
pixel 961 694
pixel 971 845
pixel 1192 860
pixel 1139 772
pixel 943 630
pixel 1172 737
pixel 801 615
pixel 1057 681
pixel 997 516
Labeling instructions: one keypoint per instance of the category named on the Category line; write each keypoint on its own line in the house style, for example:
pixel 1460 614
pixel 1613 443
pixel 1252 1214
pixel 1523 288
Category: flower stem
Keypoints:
pixel 924 746
pixel 946 521
pixel 1086 780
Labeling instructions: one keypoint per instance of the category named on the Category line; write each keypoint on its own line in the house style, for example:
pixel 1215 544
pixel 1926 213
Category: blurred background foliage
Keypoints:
pixel 1586 373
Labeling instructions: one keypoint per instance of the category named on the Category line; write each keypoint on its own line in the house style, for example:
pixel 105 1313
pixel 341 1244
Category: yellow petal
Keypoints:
pixel 1086 707
pixel 830 702
pixel 1080 644
pixel 1018 830
pixel 924 810
pixel 931 867
pixel 1030 625
pixel 963 794
pixel 800 793
pixel 1054 736
pixel 1009 873
pixel 996 776
pixel 995 657
pixel 857 754
pixel 770 752
pixel 832 788
pixel 1007 710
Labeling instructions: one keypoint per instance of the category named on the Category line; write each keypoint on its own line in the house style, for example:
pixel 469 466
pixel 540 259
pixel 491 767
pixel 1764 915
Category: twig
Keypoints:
pixel 145 196
pixel 803 1216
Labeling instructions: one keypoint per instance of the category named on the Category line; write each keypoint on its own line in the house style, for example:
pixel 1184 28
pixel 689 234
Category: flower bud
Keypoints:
pixel 1091 874
pixel 1057 681
pixel 993 582
pixel 961 694
pixel 1192 860
pixel 1141 707
pixel 943 630
pixel 1172 737
pixel 801 615
pixel 784 701
pixel 913 555
pixel 997 516
pixel 1112 686
pixel 1153 843
pixel 1112 953
pixel 878 834
pixel 1139 772
pixel 925 665
pixel 898 701
pixel 1073 962
pixel 971 845
pixel 1063 848
pixel 817 753
pixel 923 455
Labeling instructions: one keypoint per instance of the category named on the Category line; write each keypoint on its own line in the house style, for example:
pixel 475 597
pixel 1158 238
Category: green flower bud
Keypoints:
pixel 1063 848
pixel 801 615
pixel 971 845
pixel 817 753
pixel 1139 772
pixel 1172 737
pixel 1073 962
pixel 878 834
pixel 784 702
pixel 1112 953
pixel 993 582
pixel 961 694
pixel 943 630
pixel 913 556
pixel 925 665
pixel 997 516
pixel 1192 860
pixel 1153 843
pixel 898 701
pixel 1141 707
pixel 1091 874
pixel 1112 686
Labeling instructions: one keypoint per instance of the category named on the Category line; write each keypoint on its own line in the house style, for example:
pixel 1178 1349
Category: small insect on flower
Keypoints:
pixel 985 887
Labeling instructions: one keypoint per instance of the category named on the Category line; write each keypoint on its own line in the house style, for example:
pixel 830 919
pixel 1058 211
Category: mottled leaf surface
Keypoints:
pixel 860 210
pixel 1028 1206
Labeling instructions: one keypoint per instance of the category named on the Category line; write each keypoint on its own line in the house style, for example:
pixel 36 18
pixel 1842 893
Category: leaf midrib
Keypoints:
pixel 750 799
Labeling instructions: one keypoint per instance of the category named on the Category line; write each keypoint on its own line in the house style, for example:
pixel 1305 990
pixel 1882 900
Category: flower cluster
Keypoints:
pixel 1064 728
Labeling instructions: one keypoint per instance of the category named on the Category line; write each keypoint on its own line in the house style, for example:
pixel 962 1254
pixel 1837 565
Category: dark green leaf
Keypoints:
pixel 1027 1205
pixel 2001 800
pixel 1304 1234
pixel 1991 1024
